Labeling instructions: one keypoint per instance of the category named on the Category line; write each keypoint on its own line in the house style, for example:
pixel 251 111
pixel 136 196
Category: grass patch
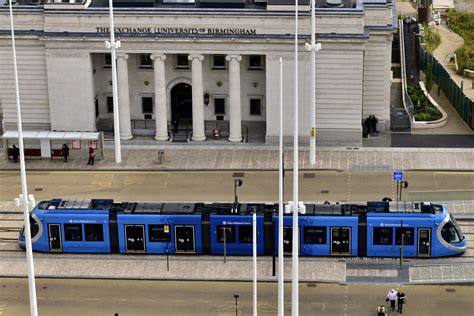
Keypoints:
pixel 423 109
pixel 462 22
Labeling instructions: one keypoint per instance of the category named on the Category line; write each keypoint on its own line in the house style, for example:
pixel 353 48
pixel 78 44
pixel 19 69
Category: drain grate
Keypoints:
pixel 451 290
pixel 324 191
pixel 309 175
pixel 311 284
pixel 38 189
pixel 238 174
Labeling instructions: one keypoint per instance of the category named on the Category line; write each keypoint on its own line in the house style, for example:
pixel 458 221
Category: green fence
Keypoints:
pixel 463 105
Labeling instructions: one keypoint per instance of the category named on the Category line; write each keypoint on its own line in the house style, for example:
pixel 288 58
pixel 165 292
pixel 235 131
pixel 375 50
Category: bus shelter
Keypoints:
pixel 47 144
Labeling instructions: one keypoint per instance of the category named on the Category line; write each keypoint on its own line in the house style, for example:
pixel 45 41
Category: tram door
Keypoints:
pixel 135 237
pixel 54 231
pixel 341 240
pixel 287 240
pixel 424 242
pixel 184 238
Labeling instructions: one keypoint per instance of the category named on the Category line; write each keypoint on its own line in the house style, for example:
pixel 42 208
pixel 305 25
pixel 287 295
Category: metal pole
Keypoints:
pixel 294 272
pixel 225 246
pixel 113 46
pixel 23 199
pixel 235 191
pixel 167 257
pixel 236 296
pixel 312 105
pixel 254 235
pixel 401 249
pixel 281 276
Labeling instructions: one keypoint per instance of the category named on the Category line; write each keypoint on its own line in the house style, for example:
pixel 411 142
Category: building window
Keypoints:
pixel 255 62
pixel 107 61
pixel 245 234
pixel 218 62
pixel 94 232
pixel 182 61
pixel 383 236
pixel 159 233
pixel 229 233
pixel 219 106
pixel 96 104
pixel 147 105
pixel 255 106
pixel 73 232
pixel 145 61
pixel 110 105
pixel 315 235
pixel 408 238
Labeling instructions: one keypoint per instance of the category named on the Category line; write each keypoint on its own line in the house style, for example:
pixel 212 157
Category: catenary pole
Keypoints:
pixel 312 105
pixel 281 276
pixel 294 271
pixel 113 45
pixel 254 237
pixel 23 199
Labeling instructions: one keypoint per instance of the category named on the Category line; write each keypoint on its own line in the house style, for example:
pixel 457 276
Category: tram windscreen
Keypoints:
pixel 451 231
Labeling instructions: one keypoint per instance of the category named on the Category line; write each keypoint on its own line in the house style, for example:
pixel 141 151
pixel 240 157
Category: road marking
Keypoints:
pixel 348 186
pixel 92 299
pixel 454 172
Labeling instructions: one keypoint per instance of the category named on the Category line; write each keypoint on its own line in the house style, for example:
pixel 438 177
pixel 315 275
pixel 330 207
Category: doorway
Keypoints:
pixel 182 106
pixel 54 237
pixel 135 238
pixel 340 241
pixel 184 238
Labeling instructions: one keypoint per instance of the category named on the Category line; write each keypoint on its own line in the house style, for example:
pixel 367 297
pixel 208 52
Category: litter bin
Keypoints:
pixel 161 157
pixel 217 133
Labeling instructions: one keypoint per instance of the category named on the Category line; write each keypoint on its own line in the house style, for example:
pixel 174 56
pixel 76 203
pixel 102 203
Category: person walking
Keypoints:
pixel 392 297
pixel 401 299
pixel 15 153
pixel 65 152
pixel 91 156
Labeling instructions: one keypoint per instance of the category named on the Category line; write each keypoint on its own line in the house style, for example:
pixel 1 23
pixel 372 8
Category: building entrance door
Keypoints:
pixel 181 106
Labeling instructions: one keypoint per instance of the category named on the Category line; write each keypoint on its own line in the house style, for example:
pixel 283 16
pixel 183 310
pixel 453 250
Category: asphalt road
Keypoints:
pixel 98 297
pixel 219 185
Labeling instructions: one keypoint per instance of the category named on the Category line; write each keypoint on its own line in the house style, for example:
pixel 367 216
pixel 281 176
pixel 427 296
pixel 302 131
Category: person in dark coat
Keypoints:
pixel 401 300
pixel 16 153
pixel 65 152
pixel 91 156
pixel 371 123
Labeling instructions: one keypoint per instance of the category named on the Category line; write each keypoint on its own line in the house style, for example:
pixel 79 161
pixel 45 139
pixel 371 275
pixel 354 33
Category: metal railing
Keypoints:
pixel 407 103
pixel 224 126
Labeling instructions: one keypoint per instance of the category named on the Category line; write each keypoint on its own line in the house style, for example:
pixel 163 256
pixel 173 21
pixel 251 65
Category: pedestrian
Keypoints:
pixel 91 156
pixel 65 152
pixel 401 300
pixel 371 123
pixel 381 310
pixel 15 153
pixel 392 297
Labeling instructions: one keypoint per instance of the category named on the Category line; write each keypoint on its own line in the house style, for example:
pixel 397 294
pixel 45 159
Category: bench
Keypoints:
pixel 56 153
pixel 29 152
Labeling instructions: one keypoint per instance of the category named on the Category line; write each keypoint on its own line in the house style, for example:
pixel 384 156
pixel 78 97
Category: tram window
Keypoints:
pixel 159 233
pixel 229 233
pixel 245 234
pixel 408 232
pixel 383 236
pixel 315 235
pixel 449 233
pixel 73 232
pixel 34 227
pixel 94 232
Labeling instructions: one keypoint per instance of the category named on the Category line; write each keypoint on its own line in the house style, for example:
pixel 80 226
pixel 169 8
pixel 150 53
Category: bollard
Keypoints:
pixel 161 156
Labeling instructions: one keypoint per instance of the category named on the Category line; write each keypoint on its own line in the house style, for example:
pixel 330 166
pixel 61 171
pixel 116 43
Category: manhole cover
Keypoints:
pixel 309 175
pixel 238 174
pixel 324 191
pixel 38 189
pixel 451 290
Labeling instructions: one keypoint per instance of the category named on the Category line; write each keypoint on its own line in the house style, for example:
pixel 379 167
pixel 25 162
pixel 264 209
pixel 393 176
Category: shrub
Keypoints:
pixel 462 22
pixel 423 109
pixel 431 38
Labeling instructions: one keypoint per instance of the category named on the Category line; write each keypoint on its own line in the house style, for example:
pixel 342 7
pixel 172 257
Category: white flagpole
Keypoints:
pixel 281 271
pixel 113 45
pixel 254 223
pixel 23 199
pixel 294 272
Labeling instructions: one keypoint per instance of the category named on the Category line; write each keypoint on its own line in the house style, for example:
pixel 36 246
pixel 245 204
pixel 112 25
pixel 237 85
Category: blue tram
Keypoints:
pixel 372 229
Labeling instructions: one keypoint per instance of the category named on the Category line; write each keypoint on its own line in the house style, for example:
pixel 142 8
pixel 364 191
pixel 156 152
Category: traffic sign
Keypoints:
pixel 397 175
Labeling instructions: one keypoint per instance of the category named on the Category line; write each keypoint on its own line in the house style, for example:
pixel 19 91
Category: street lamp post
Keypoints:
pixel 24 199
pixel 113 45
pixel 313 48
pixel 281 277
pixel 236 296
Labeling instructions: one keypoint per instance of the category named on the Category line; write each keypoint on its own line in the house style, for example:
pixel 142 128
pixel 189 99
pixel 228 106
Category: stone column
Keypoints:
pixel 198 95
pixel 234 96
pixel 123 97
pixel 161 115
